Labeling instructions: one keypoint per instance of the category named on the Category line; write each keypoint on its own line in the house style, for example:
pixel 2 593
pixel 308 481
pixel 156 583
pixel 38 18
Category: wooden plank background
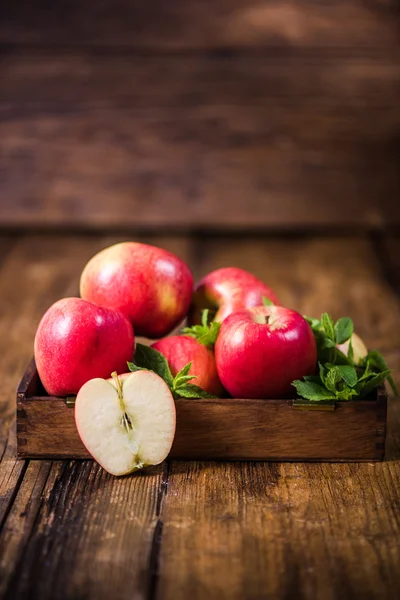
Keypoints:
pixel 198 116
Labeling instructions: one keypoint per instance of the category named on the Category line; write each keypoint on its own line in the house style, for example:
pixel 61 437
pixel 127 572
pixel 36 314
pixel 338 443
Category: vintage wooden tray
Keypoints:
pixel 229 429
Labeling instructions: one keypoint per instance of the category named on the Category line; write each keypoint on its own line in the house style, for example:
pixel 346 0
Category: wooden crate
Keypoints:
pixel 227 429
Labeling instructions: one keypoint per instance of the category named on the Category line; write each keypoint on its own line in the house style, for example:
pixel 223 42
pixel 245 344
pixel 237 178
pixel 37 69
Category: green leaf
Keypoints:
pixel 348 374
pixel 343 330
pixel 315 324
pixel 151 359
pixel 328 326
pixel 182 377
pixel 184 371
pixel 312 391
pixel 267 302
pixel 376 359
pixel 192 391
pixel 322 372
pixel 350 353
pixel 332 379
pixel 206 333
pixel 346 394
pixel 132 367
pixel 328 343
pixel 367 386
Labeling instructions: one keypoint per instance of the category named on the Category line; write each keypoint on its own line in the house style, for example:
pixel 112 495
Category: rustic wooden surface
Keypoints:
pixel 153 114
pixel 203 529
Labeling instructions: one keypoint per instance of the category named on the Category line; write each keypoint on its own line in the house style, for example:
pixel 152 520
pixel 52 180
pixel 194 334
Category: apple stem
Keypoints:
pixel 267 319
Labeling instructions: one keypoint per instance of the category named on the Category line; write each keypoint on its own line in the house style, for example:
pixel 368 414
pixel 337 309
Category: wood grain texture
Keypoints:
pixel 293 530
pixel 179 25
pixel 198 142
pixel 225 429
pixel 94 526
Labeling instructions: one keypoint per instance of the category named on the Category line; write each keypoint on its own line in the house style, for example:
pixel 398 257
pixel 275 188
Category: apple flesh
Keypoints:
pixel 260 351
pixel 359 348
pixel 227 290
pixel 77 341
pixel 150 286
pixel 179 350
pixel 126 424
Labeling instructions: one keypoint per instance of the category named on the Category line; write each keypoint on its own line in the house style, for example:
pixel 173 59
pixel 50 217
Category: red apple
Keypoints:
pixel 77 341
pixel 150 286
pixel 260 351
pixel 179 350
pixel 227 290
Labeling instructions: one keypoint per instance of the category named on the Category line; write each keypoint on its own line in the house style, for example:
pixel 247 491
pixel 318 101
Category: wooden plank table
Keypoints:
pixel 203 530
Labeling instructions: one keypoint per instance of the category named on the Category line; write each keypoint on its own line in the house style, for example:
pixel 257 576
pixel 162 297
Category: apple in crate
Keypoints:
pixel 128 423
pixel 260 351
pixel 359 348
pixel 149 285
pixel 227 290
pixel 77 341
pixel 179 350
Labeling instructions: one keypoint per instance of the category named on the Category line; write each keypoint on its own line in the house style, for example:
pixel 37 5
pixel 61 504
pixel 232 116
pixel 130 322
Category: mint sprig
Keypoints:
pixel 150 359
pixel 206 333
pixel 339 377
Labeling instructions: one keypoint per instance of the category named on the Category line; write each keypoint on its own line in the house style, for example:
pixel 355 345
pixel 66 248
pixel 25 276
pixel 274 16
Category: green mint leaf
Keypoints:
pixel 184 371
pixel 367 386
pixel 192 391
pixel 349 374
pixel 322 372
pixel 344 329
pixel 346 394
pixel 332 378
pixel 350 353
pixel 181 381
pixel 328 326
pixel 328 343
pixel 182 377
pixel 312 391
pixel 151 359
pixel 206 333
pixel 315 324
pixel 133 368
pixel 376 359
pixel 267 302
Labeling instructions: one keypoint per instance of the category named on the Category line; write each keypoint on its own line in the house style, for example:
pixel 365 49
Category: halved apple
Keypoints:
pixel 128 422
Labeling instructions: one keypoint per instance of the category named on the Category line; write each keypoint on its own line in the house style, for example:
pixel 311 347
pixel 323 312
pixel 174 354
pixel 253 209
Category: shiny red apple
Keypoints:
pixel 227 290
pixel 149 285
pixel 260 351
pixel 179 350
pixel 77 341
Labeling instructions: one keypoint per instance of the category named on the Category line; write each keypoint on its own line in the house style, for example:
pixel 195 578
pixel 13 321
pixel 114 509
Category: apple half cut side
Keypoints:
pixel 126 423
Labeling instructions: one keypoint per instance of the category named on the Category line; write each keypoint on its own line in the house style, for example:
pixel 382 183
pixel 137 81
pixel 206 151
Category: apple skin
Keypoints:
pixel 359 348
pixel 256 359
pixel 227 290
pixel 77 341
pixel 150 286
pixel 179 350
